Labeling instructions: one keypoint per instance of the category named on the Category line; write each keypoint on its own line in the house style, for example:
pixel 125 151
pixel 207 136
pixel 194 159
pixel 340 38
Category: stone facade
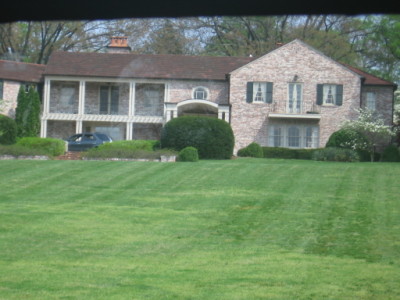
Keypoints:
pixel 60 129
pixel 384 101
pixel 8 103
pixel 92 97
pixel 292 63
pixel 179 90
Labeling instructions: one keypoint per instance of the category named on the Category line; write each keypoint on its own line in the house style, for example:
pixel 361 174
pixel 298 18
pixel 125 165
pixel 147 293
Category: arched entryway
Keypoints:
pixel 197 108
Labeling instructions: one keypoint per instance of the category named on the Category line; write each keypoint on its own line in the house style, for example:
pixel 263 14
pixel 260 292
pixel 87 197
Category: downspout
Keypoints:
pixel 393 102
pixel 362 80
pixel 228 78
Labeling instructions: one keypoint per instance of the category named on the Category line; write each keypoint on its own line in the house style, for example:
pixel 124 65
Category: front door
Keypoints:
pixel 295 98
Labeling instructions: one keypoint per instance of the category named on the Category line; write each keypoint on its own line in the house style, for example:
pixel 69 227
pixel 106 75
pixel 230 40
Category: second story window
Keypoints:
pixel 109 100
pixel 329 94
pixel 259 92
pixel 371 101
pixel 200 93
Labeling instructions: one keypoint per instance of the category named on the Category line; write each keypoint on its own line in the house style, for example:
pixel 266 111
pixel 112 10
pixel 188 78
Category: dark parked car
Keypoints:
pixel 85 141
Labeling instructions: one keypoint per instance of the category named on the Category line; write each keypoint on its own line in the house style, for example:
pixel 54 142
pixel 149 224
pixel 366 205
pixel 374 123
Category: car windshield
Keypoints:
pixel 75 138
pixel 103 137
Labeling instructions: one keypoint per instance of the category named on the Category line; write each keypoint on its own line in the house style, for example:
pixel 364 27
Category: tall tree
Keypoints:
pixel 166 39
pixel 27 113
pixel 379 47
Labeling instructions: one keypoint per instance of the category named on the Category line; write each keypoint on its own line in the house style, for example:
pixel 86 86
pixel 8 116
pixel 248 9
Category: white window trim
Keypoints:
pixel 256 86
pixel 201 87
pixel 324 96
pixel 288 97
pixel 302 136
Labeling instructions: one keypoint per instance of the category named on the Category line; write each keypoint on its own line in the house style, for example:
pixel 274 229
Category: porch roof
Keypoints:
pixel 143 65
pixel 21 72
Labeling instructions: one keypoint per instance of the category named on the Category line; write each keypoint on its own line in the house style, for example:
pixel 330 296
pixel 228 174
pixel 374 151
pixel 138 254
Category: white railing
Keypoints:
pixel 286 107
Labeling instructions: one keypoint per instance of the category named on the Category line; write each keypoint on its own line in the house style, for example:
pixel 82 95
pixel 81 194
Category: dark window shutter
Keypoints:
pixel 339 94
pixel 249 94
pixel 269 92
pixel 320 93
pixel 114 100
pixel 1 89
pixel 104 100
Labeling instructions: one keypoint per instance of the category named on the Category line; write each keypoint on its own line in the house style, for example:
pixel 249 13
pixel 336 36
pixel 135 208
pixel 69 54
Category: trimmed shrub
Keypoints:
pixel 286 153
pixel 188 154
pixel 147 145
pixel 252 150
pixel 8 130
pixel 391 154
pixel 213 138
pixel 350 139
pixel 48 146
pixel 336 154
pixel 17 150
pixel 346 138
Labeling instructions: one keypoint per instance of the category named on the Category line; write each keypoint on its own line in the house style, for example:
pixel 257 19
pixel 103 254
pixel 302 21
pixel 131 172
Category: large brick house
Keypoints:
pixel 293 96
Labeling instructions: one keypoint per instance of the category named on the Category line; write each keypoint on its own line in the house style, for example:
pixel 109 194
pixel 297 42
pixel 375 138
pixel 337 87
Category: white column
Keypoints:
pixel 43 128
pixel 131 108
pixel 46 94
pixel 129 131
pixel 81 105
pixel 78 126
pixel 223 113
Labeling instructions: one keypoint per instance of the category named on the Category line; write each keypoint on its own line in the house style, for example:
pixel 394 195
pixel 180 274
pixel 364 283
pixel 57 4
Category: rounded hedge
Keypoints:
pixel 189 154
pixel 8 130
pixel 346 138
pixel 213 138
pixel 252 150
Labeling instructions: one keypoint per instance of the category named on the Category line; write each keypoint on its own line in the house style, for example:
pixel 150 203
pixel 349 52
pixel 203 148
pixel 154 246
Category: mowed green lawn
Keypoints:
pixel 239 229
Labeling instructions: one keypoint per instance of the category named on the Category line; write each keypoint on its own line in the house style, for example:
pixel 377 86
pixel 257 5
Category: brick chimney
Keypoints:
pixel 118 44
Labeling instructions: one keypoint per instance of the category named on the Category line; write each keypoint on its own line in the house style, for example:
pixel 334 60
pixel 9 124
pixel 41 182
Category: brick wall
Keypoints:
pixel 180 90
pixel 250 120
pixel 384 101
pixel 10 94
pixel 60 129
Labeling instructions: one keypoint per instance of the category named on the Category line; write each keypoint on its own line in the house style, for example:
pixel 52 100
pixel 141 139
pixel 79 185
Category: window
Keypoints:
pixel 276 136
pixel 109 100
pixel 311 137
pixel 371 101
pixel 293 136
pixel 295 98
pixel 200 93
pixel 259 92
pixel 329 94
pixel 67 96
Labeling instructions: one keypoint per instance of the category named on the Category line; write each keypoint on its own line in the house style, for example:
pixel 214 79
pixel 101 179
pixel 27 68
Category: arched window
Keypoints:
pixel 200 93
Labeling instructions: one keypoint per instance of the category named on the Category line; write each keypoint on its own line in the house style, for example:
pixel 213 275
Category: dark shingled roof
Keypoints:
pixel 127 65
pixel 369 79
pixel 22 72
pixel 143 65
